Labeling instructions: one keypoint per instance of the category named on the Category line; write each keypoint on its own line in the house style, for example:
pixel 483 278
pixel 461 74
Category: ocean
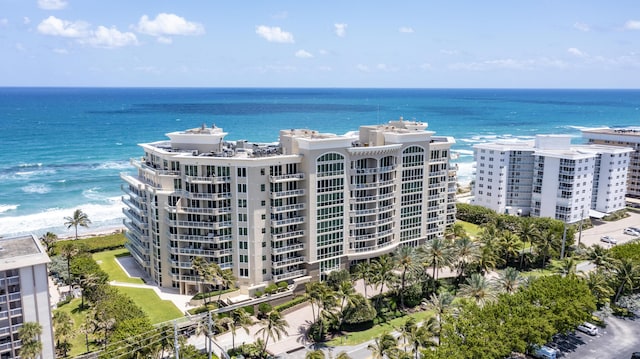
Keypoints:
pixel 64 148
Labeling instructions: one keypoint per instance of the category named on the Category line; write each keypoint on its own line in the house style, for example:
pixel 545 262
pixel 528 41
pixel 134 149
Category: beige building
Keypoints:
pixel 24 294
pixel 300 208
pixel 621 137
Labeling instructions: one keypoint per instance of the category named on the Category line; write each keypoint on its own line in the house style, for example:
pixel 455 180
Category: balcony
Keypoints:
pixel 284 194
pixel 372 185
pixel 289 275
pixel 286 249
pixel 287 235
pixel 287 262
pixel 289 208
pixel 210 196
pixel 137 220
pixel 199 224
pixel 183 265
pixel 187 238
pixel 364 171
pixel 287 221
pixel 208 180
pixel 287 177
pixel 197 210
pixel 372 248
pixel 371 198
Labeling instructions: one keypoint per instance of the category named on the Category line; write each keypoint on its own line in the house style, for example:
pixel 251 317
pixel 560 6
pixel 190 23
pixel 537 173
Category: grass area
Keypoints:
pixel 355 338
pixel 157 309
pixel 470 228
pixel 78 345
pixel 107 262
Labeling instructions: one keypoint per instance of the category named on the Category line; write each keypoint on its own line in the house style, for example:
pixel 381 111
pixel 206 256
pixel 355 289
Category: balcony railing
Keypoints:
pixel 287 262
pixel 283 194
pixel 290 248
pixel 287 221
pixel 287 177
pixel 289 275
pixel 287 235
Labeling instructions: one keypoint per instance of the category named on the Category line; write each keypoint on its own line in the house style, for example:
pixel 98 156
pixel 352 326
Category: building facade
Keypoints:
pixel 24 294
pixel 628 137
pixel 310 204
pixel 550 177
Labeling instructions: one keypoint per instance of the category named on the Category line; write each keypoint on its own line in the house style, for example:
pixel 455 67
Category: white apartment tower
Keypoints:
pixel 549 177
pixel 621 137
pixel 24 294
pixel 310 204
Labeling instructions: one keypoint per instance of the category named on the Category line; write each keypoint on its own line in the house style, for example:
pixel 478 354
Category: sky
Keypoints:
pixel 329 43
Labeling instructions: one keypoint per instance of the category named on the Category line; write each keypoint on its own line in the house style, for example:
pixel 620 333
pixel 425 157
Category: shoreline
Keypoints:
pixel 97 233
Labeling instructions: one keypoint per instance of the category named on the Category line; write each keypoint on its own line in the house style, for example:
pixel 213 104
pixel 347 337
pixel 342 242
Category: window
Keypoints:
pixel 262 171
pixel 242 172
pixel 262 187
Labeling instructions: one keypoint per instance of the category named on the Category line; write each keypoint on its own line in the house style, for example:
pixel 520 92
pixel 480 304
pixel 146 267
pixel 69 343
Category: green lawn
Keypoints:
pixel 365 335
pixel 78 345
pixel 107 262
pixel 157 309
pixel 471 229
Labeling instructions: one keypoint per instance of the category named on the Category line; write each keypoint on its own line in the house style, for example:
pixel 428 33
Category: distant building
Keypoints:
pixel 549 177
pixel 24 294
pixel 622 137
pixel 300 208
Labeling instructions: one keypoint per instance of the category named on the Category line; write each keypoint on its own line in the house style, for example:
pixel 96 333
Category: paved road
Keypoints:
pixel 614 229
pixel 617 341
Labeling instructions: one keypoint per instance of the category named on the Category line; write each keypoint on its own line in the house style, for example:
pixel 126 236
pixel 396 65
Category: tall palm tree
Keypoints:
pixel 88 282
pixel 63 330
pixel 272 327
pixel 437 254
pixel 68 250
pixel 29 334
pixel 362 270
pixel 343 355
pixel 405 330
pixel 225 278
pixel 315 354
pixel 404 259
pixel 317 292
pixel 545 243
pixel 599 285
pixel 626 274
pixel 466 252
pixel 383 345
pixel 509 244
pixel 478 288
pixel 78 218
pixel 49 240
pixel 509 280
pixel 601 257
pixel 240 319
pixel 383 272
pixel 566 267
pixel 440 305
pixel 421 337
pixel 528 232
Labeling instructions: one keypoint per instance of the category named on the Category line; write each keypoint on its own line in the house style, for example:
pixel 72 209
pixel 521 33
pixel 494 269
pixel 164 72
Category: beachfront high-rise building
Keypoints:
pixel 549 177
pixel 24 294
pixel 310 204
pixel 621 137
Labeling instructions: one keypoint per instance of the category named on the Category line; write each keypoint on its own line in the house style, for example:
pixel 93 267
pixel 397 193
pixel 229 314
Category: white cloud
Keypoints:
pixel 325 68
pixel 26 21
pixel 509 64
pixel 280 15
pixel 449 52
pixel 340 29
pixel 274 34
pixel 20 47
pixel 4 22
pixel 426 66
pixel 164 40
pixel 58 27
pixel 363 68
pixel 581 26
pixel 168 24
pixel 303 54
pixel 576 52
pixel 52 4
pixel 632 25
pixel 61 51
pixel 110 38
pixel 406 30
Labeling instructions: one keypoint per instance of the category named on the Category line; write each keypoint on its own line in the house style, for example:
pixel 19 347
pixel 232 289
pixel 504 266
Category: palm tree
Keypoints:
pixel 479 288
pixel 63 329
pixel 315 354
pixel 404 259
pixel 383 272
pixel 437 254
pixel 68 250
pixel 317 292
pixel 566 267
pixel 239 319
pixel 508 242
pixel 599 285
pixel 49 239
pixel 600 257
pixel 225 278
pixel 79 218
pixel 421 336
pixel 440 305
pixel 362 270
pixel 406 329
pixel 272 327
pixel 466 251
pixel 382 345
pixel 528 232
pixel 88 282
pixel 545 243
pixel 627 274
pixel 29 334
pixel 509 280
pixel 343 355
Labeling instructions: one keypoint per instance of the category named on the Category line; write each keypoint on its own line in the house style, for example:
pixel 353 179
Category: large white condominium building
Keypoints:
pixel 629 137
pixel 549 177
pixel 310 204
pixel 24 294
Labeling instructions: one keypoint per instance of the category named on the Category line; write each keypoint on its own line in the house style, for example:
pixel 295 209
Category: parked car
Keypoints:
pixel 545 352
pixel 588 328
pixel 608 239
pixel 632 232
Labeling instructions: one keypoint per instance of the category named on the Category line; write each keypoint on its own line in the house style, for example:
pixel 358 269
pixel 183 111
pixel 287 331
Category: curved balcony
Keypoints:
pixel 208 180
pixel 287 177
pixel 287 262
pixel 284 194
pixel 287 235
pixel 287 221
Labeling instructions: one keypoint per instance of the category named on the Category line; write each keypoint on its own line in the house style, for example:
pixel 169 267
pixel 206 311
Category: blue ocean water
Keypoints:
pixel 64 148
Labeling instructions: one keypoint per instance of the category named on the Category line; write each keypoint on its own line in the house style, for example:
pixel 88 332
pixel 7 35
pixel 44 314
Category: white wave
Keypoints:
pixel 30 174
pixel 36 188
pixel 38 164
pixel 466 172
pixel 118 143
pixel 463 152
pixel 93 194
pixel 8 207
pixel 102 216
pixel 112 165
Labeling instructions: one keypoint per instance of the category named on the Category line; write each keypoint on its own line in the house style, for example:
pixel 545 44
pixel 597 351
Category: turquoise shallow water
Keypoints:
pixel 63 148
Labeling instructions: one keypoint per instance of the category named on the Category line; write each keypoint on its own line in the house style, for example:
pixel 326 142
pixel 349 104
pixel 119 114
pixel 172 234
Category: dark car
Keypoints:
pixel 635 355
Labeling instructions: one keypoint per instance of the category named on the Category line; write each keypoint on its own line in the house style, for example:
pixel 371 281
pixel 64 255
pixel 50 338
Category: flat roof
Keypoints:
pixel 22 251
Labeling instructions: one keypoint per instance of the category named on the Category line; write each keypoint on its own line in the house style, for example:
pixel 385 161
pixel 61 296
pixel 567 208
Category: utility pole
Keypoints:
pixel 564 239
pixel 580 231
pixel 209 335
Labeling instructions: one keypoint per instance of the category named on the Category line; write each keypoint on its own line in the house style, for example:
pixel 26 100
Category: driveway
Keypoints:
pixel 614 229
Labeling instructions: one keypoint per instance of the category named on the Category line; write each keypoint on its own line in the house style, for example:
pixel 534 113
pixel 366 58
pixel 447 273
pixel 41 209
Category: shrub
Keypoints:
pixel 249 309
pixel 291 303
pixel 98 243
pixel 264 309
pixel 271 288
pixel 360 315
pixel 258 294
pixel 282 285
pixel 318 331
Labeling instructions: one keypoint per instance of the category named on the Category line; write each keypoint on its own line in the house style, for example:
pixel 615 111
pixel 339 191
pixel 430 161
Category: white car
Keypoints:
pixel 588 328
pixel 632 232
pixel 608 239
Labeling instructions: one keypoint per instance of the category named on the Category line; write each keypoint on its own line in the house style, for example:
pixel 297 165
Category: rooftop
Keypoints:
pixel 23 251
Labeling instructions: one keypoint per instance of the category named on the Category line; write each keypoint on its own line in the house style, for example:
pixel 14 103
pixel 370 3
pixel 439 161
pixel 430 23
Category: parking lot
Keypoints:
pixel 613 229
